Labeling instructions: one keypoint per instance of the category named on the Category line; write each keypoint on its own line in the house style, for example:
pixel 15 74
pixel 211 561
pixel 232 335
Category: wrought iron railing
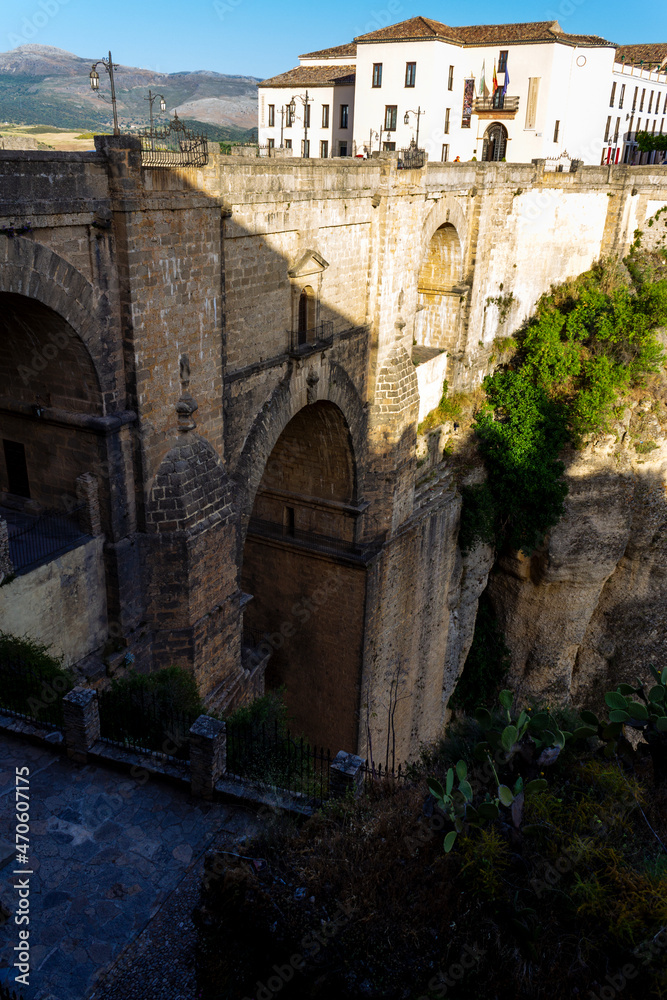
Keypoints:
pixel 326 543
pixel 496 103
pixel 173 146
pixel 140 720
pixel 412 158
pixel 270 755
pixel 37 538
pixel 313 338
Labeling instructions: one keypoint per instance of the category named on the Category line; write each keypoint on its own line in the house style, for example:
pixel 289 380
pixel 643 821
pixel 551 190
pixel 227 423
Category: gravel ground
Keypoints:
pixel 159 963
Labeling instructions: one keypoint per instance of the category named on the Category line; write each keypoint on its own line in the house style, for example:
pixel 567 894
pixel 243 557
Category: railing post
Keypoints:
pixel 81 719
pixel 87 491
pixel 346 774
pixel 6 567
pixel 208 754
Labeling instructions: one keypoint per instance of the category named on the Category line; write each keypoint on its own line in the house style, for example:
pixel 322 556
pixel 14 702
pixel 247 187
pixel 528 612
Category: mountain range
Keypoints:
pixel 43 85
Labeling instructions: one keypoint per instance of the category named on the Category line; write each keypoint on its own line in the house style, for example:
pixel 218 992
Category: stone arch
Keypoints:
pixel 439 285
pixel 445 210
pixel 29 269
pixel 328 382
pixel 190 489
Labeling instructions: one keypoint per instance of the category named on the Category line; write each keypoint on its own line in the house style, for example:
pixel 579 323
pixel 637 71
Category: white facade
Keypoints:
pixel 337 137
pixel 637 101
pixel 557 102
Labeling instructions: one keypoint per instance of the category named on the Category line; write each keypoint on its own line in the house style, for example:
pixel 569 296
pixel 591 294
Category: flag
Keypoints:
pixel 483 91
pixel 495 78
pixel 507 80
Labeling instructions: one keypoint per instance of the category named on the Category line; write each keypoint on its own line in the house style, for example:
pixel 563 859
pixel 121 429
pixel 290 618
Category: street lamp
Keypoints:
pixel 373 135
pixel 406 120
pixel 292 109
pixel 95 85
pixel 152 98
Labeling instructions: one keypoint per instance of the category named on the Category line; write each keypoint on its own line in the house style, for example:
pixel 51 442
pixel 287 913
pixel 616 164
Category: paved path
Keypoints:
pixel 107 851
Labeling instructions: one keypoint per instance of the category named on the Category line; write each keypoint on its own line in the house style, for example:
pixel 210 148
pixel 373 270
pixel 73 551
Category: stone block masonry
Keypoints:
pixel 156 316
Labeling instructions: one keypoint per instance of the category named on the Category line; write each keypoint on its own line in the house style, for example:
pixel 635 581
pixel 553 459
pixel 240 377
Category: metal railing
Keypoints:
pixel 270 755
pixel 325 543
pixel 497 103
pixel 173 146
pixel 313 338
pixel 38 538
pixel 412 158
pixel 29 694
pixel 140 720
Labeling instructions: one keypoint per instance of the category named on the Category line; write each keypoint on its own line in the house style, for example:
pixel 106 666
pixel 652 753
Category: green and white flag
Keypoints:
pixel 483 92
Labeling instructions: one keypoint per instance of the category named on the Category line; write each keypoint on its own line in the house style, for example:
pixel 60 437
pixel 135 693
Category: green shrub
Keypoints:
pixel 32 680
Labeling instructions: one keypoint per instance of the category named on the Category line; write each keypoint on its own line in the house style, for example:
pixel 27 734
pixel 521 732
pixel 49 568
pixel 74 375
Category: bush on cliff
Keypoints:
pixel 590 341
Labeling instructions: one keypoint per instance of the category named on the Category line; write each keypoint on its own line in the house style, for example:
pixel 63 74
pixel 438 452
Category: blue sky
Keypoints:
pixel 261 38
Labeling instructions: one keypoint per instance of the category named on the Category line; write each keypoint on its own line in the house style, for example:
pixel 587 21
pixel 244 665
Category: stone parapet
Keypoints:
pixel 6 567
pixel 346 774
pixel 81 719
pixel 208 754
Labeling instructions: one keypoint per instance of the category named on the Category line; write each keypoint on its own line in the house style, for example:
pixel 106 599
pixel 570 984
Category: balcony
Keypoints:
pixel 496 106
pixel 309 341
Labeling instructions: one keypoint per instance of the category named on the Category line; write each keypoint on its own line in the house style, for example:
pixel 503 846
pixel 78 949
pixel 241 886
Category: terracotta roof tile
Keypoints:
pixel 480 34
pixel 414 27
pixel 649 52
pixel 337 52
pixel 312 76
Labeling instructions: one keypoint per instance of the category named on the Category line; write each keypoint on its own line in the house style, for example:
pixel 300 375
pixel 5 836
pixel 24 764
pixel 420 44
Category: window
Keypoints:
pixel 447 111
pixel 308 116
pixel 344 115
pixel 556 131
pixel 390 116
pixel 450 79
pixel 634 99
pixel 289 118
pixel 613 93
pixel 650 102
pixel 377 74
pixel 325 116
pixel 630 125
pixel 445 153
pixel 641 103
pixel 17 470
pixel 388 147
pixel 410 74
pixel 622 97
pixel 272 143
pixel 664 107
pixel 502 61
pixel 324 149
pixel 608 127
pixel 654 125
pixel 531 106
pixel 342 148
pixel 288 512
pixel 617 129
pixel 307 318
pixel 305 148
pixel 288 143
pixel 272 115
pixel 662 125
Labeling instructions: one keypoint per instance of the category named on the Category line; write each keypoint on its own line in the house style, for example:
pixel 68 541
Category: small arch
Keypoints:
pixel 437 322
pixel 307 315
pixel 495 143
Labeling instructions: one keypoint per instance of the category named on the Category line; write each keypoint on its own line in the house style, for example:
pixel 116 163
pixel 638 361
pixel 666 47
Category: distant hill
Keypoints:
pixel 43 85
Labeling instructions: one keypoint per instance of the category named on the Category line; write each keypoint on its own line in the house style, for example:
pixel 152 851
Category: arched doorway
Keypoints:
pixel 495 142
pixel 307 315
pixel 47 383
pixel 306 582
pixel 437 321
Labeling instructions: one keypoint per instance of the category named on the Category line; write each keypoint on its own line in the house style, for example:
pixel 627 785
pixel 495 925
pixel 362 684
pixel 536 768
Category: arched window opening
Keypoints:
pixel 495 143
pixel 307 316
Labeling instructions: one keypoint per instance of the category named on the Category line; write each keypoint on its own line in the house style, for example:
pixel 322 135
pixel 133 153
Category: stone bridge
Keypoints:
pixel 235 359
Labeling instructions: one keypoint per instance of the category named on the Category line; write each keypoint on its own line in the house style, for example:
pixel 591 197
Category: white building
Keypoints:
pixel 553 96
pixel 637 102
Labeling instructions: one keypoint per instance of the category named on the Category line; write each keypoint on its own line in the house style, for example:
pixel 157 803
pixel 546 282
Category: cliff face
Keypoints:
pixel 590 609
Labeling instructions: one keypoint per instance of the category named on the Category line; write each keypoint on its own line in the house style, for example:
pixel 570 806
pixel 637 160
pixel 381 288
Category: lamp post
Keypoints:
pixel 406 120
pixel 282 125
pixel 95 85
pixel 373 135
pixel 152 98
pixel 292 108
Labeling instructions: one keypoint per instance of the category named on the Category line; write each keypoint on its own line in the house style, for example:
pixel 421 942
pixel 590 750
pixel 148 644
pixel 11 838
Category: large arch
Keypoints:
pixel 437 323
pixel 31 270
pixel 494 144
pixel 306 582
